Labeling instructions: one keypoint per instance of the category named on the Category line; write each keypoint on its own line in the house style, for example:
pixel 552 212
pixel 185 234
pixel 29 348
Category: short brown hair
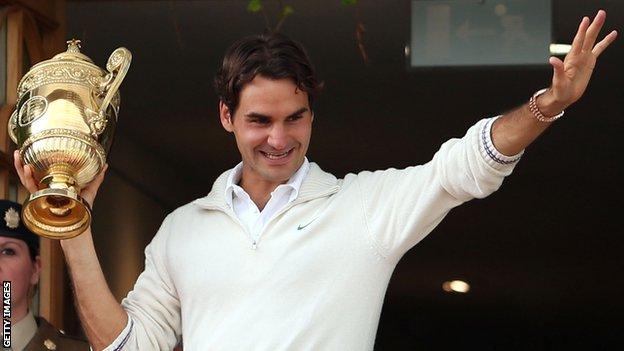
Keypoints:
pixel 274 56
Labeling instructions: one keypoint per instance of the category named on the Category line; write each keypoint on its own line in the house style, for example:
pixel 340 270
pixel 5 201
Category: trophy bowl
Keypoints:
pixel 63 125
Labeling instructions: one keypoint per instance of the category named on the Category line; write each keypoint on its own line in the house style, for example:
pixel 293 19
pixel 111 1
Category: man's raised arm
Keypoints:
pixel 517 129
pixel 103 318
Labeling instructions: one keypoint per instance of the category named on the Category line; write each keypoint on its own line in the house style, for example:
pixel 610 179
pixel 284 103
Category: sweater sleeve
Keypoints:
pixel 153 306
pixel 402 206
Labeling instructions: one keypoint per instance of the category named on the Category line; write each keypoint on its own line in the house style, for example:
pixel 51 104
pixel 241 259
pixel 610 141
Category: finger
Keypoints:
pixel 558 69
pixel 24 173
pixel 577 43
pixel 97 181
pixel 100 177
pixel 29 180
pixel 604 43
pixel 593 30
pixel 17 162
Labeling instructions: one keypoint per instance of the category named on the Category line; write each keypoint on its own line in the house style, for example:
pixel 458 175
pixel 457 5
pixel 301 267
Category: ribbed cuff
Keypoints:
pixel 490 154
pixel 122 338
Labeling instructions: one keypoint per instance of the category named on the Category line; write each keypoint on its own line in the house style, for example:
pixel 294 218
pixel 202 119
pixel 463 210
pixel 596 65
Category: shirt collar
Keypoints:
pixel 23 331
pixel 293 184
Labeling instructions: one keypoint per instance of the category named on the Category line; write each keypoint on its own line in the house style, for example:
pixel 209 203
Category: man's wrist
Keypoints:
pixel 77 241
pixel 548 104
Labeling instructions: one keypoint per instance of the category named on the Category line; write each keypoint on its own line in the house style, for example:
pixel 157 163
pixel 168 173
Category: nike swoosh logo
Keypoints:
pixel 303 226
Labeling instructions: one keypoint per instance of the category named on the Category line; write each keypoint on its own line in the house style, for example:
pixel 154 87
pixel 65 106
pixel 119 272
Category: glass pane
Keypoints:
pixel 470 33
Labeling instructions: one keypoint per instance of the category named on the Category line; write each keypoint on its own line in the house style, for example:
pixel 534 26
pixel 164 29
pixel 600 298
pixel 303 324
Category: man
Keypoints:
pixel 20 265
pixel 281 255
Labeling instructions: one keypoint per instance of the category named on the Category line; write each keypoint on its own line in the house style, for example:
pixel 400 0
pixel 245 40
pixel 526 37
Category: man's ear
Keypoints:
pixel 225 117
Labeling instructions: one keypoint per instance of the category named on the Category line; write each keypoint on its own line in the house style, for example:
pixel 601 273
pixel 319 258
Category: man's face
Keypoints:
pixel 17 266
pixel 272 125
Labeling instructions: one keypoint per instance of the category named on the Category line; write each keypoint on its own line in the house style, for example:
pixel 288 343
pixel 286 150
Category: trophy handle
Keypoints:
pixel 117 66
pixel 12 126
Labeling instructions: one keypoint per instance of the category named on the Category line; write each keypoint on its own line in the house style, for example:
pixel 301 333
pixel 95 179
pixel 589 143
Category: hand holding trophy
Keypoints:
pixel 63 125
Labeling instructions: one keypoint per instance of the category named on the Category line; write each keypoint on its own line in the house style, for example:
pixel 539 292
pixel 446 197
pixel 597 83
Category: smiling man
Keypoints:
pixel 272 133
pixel 281 255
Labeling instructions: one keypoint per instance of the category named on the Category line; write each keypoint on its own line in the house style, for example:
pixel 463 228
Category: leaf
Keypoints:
pixel 348 2
pixel 254 5
pixel 287 10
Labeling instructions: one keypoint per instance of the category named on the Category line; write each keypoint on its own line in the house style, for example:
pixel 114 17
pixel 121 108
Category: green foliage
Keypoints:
pixel 287 10
pixel 254 5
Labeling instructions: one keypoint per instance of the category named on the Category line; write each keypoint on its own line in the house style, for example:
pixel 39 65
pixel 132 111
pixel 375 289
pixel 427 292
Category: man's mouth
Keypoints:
pixel 276 156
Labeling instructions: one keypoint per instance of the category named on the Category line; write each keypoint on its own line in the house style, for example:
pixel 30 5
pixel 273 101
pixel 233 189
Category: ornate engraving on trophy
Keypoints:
pixel 33 108
pixel 115 60
pixel 59 73
pixel 97 122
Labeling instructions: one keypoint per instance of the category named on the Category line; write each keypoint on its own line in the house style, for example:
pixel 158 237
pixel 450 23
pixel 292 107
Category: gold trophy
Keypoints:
pixel 63 126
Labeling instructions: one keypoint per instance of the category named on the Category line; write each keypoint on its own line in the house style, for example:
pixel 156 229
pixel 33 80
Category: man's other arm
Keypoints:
pixel 514 131
pixel 103 318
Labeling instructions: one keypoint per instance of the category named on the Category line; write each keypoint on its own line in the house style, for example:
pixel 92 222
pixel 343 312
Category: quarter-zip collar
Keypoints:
pixel 291 188
pixel 317 184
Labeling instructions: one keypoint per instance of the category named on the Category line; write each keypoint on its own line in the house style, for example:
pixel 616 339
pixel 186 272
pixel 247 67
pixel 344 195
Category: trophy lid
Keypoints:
pixel 73 53
pixel 69 67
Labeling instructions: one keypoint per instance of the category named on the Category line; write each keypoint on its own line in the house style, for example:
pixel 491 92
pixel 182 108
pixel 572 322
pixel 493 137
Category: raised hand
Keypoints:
pixel 571 77
pixel 27 178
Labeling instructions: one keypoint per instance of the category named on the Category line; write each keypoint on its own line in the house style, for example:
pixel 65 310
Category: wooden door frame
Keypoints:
pixel 36 28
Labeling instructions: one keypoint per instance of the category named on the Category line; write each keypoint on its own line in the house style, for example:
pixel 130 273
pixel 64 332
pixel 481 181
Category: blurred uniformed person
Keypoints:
pixel 20 264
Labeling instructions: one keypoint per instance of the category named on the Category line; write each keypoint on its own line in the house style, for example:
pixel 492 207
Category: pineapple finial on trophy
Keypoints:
pixel 74 45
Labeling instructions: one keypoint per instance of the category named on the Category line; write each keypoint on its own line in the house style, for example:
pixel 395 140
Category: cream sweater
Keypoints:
pixel 317 278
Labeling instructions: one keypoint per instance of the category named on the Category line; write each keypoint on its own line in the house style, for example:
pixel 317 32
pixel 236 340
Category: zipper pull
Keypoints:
pixel 254 245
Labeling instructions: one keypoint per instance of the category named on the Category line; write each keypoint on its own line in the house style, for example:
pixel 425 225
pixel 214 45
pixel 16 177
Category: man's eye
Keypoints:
pixel 260 120
pixel 7 252
pixel 294 118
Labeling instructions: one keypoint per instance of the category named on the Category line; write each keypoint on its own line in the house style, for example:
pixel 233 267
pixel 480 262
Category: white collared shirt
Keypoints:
pixel 246 210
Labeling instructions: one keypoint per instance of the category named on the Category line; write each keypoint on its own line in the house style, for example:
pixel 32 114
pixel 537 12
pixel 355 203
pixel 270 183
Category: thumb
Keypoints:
pixel 89 192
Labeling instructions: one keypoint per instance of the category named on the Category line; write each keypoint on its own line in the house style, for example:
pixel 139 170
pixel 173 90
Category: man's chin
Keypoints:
pixel 278 174
pixel 278 177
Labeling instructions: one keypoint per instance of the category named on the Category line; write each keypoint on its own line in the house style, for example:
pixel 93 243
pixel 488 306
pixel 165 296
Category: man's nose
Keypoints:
pixel 278 138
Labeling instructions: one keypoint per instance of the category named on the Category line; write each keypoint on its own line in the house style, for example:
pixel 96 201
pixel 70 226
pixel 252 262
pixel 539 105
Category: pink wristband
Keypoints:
pixel 537 113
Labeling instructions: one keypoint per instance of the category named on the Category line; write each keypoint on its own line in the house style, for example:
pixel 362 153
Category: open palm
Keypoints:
pixel 571 77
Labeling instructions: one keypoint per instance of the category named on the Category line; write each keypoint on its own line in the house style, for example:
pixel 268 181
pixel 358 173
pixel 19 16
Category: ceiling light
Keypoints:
pixel 560 49
pixel 458 286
